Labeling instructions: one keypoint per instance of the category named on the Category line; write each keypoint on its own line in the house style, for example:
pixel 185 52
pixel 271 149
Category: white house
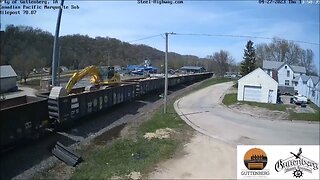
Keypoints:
pixel 317 94
pixel 311 88
pixel 287 74
pixel 8 79
pixel 297 71
pixel 302 85
pixel 257 86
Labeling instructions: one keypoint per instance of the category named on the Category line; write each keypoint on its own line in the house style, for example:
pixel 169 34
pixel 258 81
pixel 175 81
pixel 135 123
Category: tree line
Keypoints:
pixel 279 50
pixel 27 48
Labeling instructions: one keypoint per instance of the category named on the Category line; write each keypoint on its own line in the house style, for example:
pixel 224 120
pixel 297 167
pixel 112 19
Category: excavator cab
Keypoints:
pixel 112 76
pixel 111 72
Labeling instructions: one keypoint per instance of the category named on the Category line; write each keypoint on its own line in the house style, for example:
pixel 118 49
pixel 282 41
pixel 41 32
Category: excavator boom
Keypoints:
pixel 76 77
pixel 96 77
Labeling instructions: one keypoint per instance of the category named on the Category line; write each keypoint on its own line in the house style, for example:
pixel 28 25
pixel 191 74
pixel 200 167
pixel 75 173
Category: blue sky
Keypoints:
pixel 128 21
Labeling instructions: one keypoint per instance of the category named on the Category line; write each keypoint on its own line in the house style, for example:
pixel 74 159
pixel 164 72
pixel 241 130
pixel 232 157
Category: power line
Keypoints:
pixel 221 35
pixel 148 37
pixel 241 36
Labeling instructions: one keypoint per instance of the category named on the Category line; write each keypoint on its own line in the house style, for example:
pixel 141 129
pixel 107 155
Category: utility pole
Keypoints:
pixel 56 49
pixel 58 83
pixel 166 75
pixel 108 58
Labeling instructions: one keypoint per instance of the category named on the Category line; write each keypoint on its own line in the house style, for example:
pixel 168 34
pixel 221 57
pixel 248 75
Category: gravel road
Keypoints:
pixel 212 152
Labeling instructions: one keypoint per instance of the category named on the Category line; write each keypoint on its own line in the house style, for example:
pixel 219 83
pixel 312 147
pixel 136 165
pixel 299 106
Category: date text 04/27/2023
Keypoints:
pixel 289 1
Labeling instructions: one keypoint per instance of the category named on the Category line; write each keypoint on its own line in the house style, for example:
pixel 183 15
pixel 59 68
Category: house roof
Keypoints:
pixel 7 71
pixel 258 70
pixel 314 79
pixel 277 65
pixel 271 64
pixel 304 77
pixel 318 86
pixel 192 67
pixel 298 69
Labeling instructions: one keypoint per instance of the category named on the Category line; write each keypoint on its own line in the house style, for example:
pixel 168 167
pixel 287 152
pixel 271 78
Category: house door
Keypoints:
pixel 270 97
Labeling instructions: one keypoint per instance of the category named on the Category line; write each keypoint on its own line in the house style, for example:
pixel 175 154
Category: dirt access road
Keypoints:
pixel 212 152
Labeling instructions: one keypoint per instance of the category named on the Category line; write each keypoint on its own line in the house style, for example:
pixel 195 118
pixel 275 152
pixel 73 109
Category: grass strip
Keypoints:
pixel 230 99
pixel 272 107
pixel 125 155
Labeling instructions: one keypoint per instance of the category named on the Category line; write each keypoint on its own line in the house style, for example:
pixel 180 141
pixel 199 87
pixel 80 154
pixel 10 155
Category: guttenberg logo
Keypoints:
pixel 297 164
pixel 255 160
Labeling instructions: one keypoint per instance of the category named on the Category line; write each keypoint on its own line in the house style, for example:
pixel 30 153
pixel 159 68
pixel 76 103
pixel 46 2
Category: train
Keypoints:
pixel 27 117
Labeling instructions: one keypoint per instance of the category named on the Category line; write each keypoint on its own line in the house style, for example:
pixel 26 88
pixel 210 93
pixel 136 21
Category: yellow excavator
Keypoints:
pixel 96 78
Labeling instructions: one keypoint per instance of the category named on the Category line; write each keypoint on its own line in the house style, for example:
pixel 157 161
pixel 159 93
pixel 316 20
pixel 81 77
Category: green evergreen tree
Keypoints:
pixel 249 59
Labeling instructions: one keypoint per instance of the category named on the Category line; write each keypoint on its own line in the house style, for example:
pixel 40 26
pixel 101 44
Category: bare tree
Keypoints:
pixel 261 54
pixel 222 61
pixel 25 62
pixel 285 51
pixel 307 61
pixel 293 54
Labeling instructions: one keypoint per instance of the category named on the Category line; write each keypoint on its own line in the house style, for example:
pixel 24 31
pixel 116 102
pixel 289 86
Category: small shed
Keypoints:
pixel 194 69
pixel 8 79
pixel 257 86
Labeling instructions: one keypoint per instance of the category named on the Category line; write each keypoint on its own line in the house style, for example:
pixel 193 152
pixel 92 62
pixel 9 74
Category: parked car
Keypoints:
pixel 299 99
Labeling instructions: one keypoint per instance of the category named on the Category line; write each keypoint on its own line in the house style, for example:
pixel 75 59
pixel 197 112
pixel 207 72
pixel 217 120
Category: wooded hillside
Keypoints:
pixel 34 46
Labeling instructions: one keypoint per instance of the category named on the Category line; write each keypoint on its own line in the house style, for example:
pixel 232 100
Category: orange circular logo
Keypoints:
pixel 255 159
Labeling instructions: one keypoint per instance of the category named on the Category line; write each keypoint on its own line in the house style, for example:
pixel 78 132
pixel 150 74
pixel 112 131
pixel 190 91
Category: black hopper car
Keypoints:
pixel 26 117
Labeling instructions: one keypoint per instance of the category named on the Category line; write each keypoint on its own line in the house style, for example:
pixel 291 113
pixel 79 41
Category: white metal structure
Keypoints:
pixel 257 86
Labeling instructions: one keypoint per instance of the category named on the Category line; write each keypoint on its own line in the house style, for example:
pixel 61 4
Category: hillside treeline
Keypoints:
pixel 27 48
pixel 27 45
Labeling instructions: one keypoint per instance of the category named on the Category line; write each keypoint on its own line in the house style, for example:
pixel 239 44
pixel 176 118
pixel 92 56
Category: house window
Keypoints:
pixel 285 67
pixel 268 71
pixel 286 82
pixel 313 93
pixel 294 83
pixel 288 73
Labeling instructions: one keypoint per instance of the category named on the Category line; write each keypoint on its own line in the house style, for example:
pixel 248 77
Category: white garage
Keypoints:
pixel 257 86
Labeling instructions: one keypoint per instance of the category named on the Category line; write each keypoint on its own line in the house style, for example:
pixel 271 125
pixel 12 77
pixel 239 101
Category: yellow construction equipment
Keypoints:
pixel 96 78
